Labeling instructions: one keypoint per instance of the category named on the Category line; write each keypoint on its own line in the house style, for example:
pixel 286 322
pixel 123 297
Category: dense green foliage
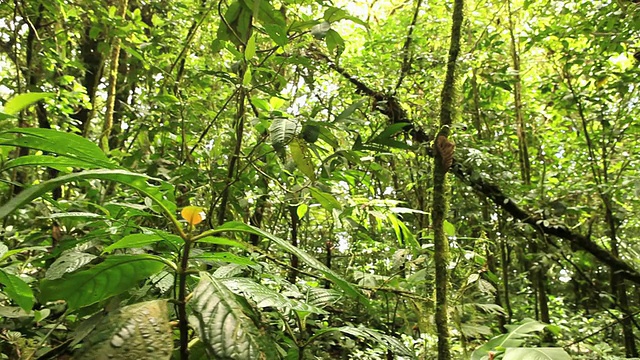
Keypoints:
pixel 255 179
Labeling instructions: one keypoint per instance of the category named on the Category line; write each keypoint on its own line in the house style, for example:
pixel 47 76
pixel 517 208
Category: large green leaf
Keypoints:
pixel 117 274
pixel 59 163
pixel 328 201
pixel 17 290
pixel 161 194
pixel 68 262
pixel 134 241
pixel 513 338
pixel 263 296
pixel 390 342
pixel 222 325
pixel 302 158
pixel 22 101
pixel 282 130
pixel 134 332
pixel 348 288
pixel 543 353
pixel 60 143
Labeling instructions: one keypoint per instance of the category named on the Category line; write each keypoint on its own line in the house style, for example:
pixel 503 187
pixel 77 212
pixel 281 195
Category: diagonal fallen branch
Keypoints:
pixel 389 105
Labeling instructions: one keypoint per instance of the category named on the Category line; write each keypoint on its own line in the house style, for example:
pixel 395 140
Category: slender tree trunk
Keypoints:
pixel 618 285
pixel 113 81
pixel 523 152
pixel 122 94
pixel 443 157
pixel 92 60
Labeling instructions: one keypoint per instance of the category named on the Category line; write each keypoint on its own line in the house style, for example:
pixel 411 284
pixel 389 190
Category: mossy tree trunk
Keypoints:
pixel 443 157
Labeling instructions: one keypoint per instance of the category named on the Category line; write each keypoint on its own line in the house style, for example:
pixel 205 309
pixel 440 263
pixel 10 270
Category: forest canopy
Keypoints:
pixel 313 179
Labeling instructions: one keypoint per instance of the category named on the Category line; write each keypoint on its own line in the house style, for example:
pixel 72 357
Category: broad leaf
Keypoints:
pixel 346 113
pixel 282 130
pixel 221 241
pixel 4 254
pixel 348 288
pixel 68 262
pixel 60 143
pixel 514 338
pixel 22 101
pixel 161 195
pixel 117 274
pixel 392 343
pixel 266 297
pixel 302 158
pixel 133 241
pixel 327 200
pixel 134 332
pixel 222 325
pixel 59 163
pixel 17 290
pixel 224 257
pixel 543 353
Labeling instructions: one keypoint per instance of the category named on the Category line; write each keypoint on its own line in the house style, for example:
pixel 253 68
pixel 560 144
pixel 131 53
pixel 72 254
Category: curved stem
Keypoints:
pixel 182 295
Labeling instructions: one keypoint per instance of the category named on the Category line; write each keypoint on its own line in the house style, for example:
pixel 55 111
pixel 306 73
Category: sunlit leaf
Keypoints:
pixel 302 158
pixel 85 153
pixel 541 353
pixel 22 101
pixel 161 195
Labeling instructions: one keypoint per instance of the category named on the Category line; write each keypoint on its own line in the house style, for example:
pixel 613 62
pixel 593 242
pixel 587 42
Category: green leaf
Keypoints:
pixel 302 210
pixel 348 288
pixel 263 296
pixel 328 201
pixel 17 290
pixel 277 33
pixel 222 325
pixel 138 331
pixel 264 13
pixel 390 342
pixel 59 163
pixel 246 78
pixel 117 274
pixel 333 14
pixel 302 158
pixel 449 229
pixel 61 143
pixel 224 257
pixel 514 338
pixel 68 262
pixel 22 101
pixel 542 353
pixel 335 42
pixel 161 195
pixel 6 254
pixel 344 115
pixel 133 241
pixel 221 241
pixel 386 137
pixel 282 130
pixel 250 50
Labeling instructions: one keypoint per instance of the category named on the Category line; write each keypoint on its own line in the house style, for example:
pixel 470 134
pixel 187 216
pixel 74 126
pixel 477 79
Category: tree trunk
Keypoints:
pixel 443 157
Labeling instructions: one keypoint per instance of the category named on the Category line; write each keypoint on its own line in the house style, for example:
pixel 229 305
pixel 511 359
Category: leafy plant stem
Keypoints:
pixel 182 295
